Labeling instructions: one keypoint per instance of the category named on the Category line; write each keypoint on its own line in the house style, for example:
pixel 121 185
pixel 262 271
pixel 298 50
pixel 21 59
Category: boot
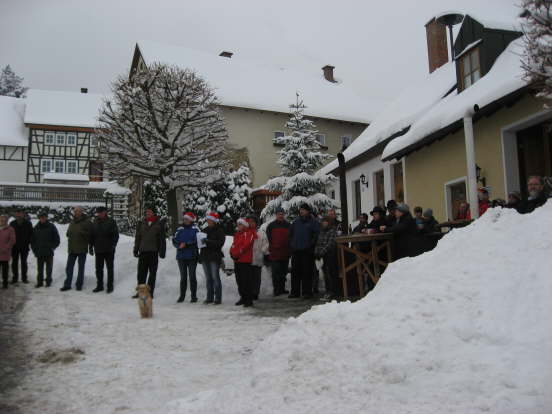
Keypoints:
pixel 180 299
pixel 48 283
pixel 5 284
pixel 39 284
pixel 25 280
pixel 14 281
pixel 98 289
pixel 193 300
pixel 65 289
pixel 109 289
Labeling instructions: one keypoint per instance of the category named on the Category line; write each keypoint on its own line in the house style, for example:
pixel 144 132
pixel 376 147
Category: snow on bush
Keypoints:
pixel 11 84
pixel 462 329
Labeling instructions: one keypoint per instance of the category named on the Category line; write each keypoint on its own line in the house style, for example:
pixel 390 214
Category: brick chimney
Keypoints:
pixel 84 90
pixel 437 51
pixel 329 73
pixel 226 54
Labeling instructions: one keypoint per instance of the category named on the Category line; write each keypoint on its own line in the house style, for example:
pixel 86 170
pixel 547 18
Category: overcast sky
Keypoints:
pixel 379 46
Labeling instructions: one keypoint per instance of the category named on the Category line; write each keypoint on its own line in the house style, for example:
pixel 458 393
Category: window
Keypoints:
pixel 71 139
pixel 321 138
pixel 93 140
pixel 398 182
pixel 60 139
pixel 455 192
pixel 358 203
pixel 379 188
pixel 49 138
pixel 59 166
pixel 470 70
pixel 45 166
pixel 71 166
pixel 278 134
pixel 346 141
pixel 332 195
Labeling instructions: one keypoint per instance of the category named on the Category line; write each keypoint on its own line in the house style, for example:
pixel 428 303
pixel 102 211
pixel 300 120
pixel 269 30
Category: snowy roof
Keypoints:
pixel 248 84
pixel 401 112
pixel 62 108
pixel 66 177
pixel 12 130
pixel 498 25
pixel 505 77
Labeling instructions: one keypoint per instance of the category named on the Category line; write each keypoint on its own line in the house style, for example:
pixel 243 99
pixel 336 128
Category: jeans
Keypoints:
pixel 212 280
pixel 279 270
pixel 23 254
pixel 302 269
pixel 147 262
pixel 40 262
pixel 187 268
pixel 71 259
pixel 245 281
pixel 107 258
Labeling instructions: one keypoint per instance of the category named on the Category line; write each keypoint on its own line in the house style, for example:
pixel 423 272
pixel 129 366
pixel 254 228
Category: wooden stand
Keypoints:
pixel 364 262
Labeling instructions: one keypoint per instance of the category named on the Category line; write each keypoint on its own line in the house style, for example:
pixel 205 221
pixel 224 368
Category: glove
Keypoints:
pixel 136 254
pixel 91 251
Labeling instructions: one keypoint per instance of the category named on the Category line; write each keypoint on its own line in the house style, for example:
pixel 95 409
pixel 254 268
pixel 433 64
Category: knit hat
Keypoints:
pixel 428 213
pixel 305 206
pixel 403 208
pixel 280 210
pixel 391 205
pixel 189 216
pixel 243 222
pixel 213 216
pixel 377 209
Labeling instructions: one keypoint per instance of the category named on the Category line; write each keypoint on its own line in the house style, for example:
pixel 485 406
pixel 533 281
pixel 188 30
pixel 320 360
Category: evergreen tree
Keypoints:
pixel 537 58
pixel 154 197
pixel 300 159
pixel 229 197
pixel 11 84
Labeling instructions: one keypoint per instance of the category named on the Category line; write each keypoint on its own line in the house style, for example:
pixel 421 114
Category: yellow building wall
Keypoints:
pixel 254 130
pixel 429 169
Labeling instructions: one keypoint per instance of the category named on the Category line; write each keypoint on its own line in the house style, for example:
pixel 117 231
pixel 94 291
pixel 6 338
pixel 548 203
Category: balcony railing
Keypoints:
pixel 37 193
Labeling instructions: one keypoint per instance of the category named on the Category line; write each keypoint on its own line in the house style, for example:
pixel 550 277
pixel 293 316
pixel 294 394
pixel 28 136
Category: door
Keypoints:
pixel 534 153
pixel 398 182
pixel 456 194
pixel 379 188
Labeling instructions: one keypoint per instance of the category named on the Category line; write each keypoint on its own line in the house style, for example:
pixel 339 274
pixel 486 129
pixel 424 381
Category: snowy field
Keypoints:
pixel 463 329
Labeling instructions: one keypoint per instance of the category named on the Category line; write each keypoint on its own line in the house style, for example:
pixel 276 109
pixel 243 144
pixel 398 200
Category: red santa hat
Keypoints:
pixel 213 217
pixel 243 222
pixel 189 216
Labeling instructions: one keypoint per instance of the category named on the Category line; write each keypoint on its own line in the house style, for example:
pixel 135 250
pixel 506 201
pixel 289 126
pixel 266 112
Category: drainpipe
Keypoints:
pixel 470 161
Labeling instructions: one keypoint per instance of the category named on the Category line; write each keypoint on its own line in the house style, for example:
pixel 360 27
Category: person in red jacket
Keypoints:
pixel 242 253
pixel 484 203
pixel 279 251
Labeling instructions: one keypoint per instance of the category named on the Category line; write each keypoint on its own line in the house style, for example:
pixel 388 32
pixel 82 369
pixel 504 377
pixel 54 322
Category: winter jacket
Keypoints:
pixel 212 252
pixel 23 233
pixel 45 239
pixel 483 207
pixel 277 233
pixel 186 234
pixel 78 235
pixel 529 205
pixel 150 237
pixel 360 227
pixel 464 215
pixel 242 246
pixel 325 244
pixel 303 233
pixel 406 239
pixel 376 224
pixel 430 225
pixel 104 235
pixel 7 241
pixel 390 220
pixel 260 248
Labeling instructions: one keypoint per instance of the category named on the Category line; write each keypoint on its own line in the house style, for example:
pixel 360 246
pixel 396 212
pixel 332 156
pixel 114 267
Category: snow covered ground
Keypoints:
pixel 462 329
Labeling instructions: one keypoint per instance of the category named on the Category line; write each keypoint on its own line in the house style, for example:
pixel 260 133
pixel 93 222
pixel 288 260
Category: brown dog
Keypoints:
pixel 145 301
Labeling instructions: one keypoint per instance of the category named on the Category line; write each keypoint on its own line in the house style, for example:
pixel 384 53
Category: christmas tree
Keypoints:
pixel 300 158
pixel 11 84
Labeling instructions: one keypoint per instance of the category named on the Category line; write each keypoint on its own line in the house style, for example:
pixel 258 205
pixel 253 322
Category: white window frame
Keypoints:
pixel 321 141
pixel 448 201
pixel 55 166
pixel 71 134
pixel 279 136
pixel 71 162
pixel 344 138
pixel 48 135
pixel 58 135
pixel 42 160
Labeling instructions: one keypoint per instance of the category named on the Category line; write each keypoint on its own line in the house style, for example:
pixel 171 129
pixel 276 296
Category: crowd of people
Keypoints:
pixel 304 247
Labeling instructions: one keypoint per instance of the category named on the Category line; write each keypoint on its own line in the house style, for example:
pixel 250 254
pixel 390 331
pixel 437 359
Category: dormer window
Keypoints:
pixel 470 69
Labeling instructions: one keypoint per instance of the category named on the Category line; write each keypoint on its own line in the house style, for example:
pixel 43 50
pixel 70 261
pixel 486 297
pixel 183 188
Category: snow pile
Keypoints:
pixel 12 129
pixel 462 329
pixel 505 76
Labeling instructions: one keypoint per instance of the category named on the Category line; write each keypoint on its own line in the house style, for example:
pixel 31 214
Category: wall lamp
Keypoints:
pixel 363 180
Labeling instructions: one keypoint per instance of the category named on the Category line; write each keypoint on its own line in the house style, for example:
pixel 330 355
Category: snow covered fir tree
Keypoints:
pixel 163 125
pixel 154 196
pixel 229 197
pixel 11 84
pixel 299 159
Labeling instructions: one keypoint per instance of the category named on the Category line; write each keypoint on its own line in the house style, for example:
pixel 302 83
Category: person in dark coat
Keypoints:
pixel 537 197
pixel 303 234
pixel 20 251
pixel 326 249
pixel 514 200
pixel 334 221
pixel 185 241
pixel 378 220
pixel 78 240
pixel 362 226
pixel 390 219
pixel 429 222
pixel 211 256
pixel 44 241
pixel 407 240
pixel 279 252
pixel 104 236
pixel 149 246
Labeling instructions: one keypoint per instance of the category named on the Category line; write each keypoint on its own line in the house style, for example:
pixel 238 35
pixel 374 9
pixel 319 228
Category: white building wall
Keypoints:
pixel 13 171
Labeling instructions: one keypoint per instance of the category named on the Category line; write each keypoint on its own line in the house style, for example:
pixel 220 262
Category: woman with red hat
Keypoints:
pixel 185 241
pixel 242 253
pixel 211 256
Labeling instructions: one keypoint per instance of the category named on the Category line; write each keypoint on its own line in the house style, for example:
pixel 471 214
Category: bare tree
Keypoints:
pixel 163 124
